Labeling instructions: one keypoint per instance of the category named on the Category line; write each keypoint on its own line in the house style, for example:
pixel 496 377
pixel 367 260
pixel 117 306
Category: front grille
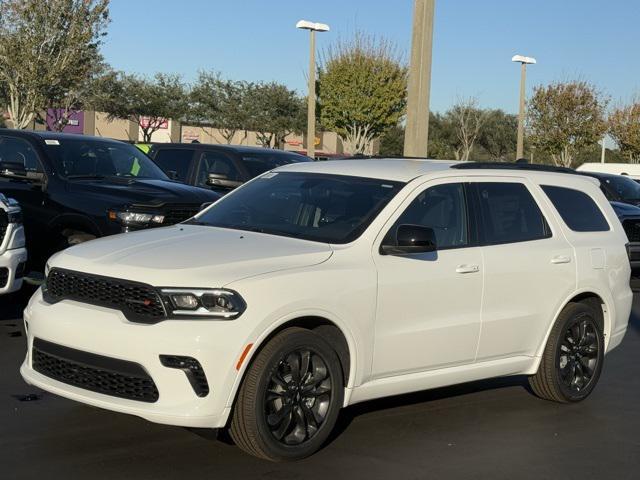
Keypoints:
pixel 97 373
pixel 138 302
pixel 4 277
pixel 632 229
pixel 4 225
pixel 179 213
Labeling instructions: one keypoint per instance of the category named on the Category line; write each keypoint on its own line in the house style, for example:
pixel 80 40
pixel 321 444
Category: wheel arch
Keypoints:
pixel 591 297
pixel 329 327
pixel 75 221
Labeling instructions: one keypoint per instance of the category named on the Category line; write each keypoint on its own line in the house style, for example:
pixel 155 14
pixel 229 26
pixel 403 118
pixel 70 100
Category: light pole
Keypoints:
pixel 416 137
pixel 311 107
pixel 524 61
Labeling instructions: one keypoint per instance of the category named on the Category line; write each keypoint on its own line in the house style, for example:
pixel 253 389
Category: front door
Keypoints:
pixel 428 311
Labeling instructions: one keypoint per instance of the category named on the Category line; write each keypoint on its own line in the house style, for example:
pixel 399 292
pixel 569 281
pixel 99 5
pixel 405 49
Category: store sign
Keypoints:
pixel 160 123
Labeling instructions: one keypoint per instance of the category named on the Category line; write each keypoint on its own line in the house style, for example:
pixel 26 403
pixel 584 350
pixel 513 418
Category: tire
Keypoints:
pixel 281 415
pixel 572 360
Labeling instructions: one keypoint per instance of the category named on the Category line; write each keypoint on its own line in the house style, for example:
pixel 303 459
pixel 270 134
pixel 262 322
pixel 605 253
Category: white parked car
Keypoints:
pixel 320 285
pixel 630 169
pixel 13 255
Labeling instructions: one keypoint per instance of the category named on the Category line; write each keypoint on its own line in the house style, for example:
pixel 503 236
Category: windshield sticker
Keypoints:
pixel 49 141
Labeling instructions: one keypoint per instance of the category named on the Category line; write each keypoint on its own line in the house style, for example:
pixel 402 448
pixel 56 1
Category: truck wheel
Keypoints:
pixel 290 398
pixel 573 358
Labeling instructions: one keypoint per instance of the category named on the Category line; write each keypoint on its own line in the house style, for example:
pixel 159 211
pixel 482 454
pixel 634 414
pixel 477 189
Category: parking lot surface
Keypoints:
pixel 493 429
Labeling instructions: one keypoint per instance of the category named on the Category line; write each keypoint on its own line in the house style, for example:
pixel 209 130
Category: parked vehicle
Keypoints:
pixel 630 169
pixel 219 167
pixel 624 195
pixel 13 254
pixel 74 188
pixel 322 285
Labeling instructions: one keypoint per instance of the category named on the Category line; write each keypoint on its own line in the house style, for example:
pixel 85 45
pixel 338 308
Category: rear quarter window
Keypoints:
pixel 577 209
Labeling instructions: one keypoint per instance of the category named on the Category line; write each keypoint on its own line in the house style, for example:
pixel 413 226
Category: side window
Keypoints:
pixel 214 162
pixel 20 151
pixel 442 208
pixel 508 213
pixel 577 209
pixel 174 162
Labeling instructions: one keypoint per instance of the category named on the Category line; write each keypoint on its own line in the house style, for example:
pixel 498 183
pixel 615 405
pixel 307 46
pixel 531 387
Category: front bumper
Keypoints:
pixel 13 261
pixel 101 331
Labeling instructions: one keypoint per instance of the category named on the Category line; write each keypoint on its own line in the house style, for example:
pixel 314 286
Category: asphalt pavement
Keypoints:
pixel 485 430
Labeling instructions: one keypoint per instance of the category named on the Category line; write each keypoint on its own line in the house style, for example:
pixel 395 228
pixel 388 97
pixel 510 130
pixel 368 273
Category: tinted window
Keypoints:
pixel 88 158
pixel 258 163
pixel 174 162
pixel 19 151
pixel 577 209
pixel 623 188
pixel 508 213
pixel 318 207
pixel 216 162
pixel 443 209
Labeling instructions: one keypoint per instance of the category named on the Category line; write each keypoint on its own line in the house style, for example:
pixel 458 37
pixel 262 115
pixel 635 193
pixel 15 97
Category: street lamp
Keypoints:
pixel 311 108
pixel 524 61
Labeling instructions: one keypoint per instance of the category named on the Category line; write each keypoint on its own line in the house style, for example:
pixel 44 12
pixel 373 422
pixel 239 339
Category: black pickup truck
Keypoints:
pixel 74 188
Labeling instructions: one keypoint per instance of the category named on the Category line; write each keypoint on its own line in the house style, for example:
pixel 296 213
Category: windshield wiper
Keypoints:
pixel 87 176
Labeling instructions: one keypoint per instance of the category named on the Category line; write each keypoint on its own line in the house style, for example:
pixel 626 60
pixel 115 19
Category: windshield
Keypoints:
pixel 623 188
pixel 317 207
pixel 258 163
pixel 91 158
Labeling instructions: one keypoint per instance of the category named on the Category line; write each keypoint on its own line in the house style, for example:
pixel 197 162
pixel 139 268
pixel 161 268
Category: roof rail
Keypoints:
pixel 512 166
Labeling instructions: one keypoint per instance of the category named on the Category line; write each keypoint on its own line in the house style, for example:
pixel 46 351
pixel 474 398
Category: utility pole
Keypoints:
pixel 604 150
pixel 311 103
pixel 416 136
pixel 523 80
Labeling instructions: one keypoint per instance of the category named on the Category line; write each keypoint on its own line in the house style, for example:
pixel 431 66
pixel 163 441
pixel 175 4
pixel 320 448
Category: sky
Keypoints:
pixel 592 40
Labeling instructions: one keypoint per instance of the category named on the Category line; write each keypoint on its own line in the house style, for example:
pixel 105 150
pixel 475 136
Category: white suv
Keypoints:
pixel 13 255
pixel 317 286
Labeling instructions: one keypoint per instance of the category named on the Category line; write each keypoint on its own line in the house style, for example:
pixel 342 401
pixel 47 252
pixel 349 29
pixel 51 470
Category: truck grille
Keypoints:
pixel 4 225
pixel 179 213
pixel 138 302
pixel 632 229
pixel 4 276
pixel 109 376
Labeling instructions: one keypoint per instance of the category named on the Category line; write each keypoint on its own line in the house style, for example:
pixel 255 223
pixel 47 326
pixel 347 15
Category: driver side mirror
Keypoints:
pixel 17 170
pixel 410 239
pixel 222 181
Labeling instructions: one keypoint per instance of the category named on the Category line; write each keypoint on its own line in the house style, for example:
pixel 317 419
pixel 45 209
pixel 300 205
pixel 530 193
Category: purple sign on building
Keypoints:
pixel 75 122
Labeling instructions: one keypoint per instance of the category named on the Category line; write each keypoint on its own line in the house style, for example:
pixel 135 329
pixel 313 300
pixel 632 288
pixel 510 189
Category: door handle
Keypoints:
pixel 558 259
pixel 467 269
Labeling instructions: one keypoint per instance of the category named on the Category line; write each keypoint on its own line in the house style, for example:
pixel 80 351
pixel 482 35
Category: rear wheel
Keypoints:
pixel 573 358
pixel 290 398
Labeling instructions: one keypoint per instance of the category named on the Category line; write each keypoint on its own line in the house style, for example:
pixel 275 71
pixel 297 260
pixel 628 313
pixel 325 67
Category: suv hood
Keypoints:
pixel 190 256
pixel 141 191
pixel 625 209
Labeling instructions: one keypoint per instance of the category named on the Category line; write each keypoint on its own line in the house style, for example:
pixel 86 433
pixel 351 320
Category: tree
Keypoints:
pixel 220 103
pixel 499 134
pixel 47 48
pixel 624 128
pixel 274 112
pixel 467 120
pixel 392 142
pixel 565 118
pixel 362 90
pixel 148 102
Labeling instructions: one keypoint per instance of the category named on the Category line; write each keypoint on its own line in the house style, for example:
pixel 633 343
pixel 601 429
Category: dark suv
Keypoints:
pixel 219 167
pixel 74 188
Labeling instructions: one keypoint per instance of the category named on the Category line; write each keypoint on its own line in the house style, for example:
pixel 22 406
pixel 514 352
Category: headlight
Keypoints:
pixel 17 239
pixel 135 218
pixel 214 303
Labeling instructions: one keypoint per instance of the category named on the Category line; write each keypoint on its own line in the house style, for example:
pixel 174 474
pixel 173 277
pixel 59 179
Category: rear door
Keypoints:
pixel 177 163
pixel 529 266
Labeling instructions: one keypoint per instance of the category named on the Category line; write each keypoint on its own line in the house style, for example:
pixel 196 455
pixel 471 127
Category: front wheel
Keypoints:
pixel 290 398
pixel 573 358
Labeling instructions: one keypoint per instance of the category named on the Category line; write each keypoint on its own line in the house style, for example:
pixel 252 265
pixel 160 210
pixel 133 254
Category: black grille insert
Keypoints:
pixel 192 369
pixel 632 229
pixel 139 302
pixel 109 376
pixel 4 277
pixel 179 213
pixel 4 224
